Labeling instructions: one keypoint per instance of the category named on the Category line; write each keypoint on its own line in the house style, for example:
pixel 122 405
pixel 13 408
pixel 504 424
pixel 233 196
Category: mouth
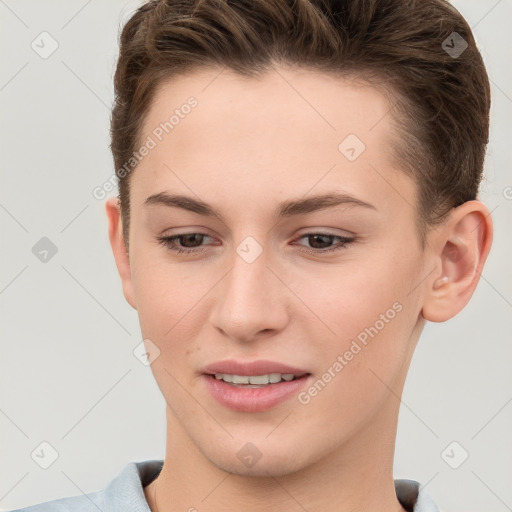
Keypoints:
pixel 254 386
pixel 256 381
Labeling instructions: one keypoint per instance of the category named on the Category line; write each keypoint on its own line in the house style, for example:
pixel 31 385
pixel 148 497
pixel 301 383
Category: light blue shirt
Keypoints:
pixel 125 493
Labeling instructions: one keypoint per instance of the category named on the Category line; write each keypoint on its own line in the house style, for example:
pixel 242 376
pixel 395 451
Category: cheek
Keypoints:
pixel 373 319
pixel 169 305
pixel 355 293
pixel 363 309
pixel 165 292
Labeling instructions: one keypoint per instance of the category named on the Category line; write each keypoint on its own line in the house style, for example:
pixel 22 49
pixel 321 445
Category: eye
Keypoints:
pixel 189 242
pixel 322 242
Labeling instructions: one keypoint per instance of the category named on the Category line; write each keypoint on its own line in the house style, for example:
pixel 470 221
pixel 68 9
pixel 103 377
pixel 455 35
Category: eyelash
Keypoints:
pixel 167 241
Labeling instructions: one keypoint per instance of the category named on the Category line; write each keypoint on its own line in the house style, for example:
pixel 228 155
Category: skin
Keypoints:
pixel 247 146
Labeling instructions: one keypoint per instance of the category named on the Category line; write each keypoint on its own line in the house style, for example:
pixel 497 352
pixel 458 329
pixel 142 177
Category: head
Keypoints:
pixel 328 157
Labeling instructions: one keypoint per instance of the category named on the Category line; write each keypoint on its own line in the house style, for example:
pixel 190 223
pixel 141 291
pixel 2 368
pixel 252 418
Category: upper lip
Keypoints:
pixel 259 367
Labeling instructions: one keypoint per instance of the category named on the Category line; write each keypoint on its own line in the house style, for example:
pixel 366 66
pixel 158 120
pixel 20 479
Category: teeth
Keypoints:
pixel 240 379
pixel 261 380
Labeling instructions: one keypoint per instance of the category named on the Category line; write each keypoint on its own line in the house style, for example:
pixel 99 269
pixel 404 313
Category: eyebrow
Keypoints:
pixel 288 208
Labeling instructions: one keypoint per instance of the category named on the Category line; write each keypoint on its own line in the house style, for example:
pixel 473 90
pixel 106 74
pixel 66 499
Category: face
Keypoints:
pixel 293 246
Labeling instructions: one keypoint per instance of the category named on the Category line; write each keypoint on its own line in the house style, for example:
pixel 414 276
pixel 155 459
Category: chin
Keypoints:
pixel 268 461
pixel 276 468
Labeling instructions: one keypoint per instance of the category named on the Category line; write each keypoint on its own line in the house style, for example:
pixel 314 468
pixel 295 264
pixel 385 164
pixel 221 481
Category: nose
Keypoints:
pixel 251 302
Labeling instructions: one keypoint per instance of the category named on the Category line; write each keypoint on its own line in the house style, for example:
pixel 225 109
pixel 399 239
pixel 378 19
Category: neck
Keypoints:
pixel 356 476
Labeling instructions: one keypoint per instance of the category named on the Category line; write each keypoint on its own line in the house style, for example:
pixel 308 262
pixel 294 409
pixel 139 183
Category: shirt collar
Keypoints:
pixel 126 491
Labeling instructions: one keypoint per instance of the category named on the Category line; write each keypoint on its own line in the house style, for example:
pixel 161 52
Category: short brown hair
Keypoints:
pixel 414 49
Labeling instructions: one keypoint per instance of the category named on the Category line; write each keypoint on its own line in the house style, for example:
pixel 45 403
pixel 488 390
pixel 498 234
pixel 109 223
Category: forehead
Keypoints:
pixel 289 130
pixel 318 103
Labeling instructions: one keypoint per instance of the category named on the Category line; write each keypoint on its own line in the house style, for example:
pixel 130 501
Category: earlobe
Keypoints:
pixel 463 246
pixel 117 242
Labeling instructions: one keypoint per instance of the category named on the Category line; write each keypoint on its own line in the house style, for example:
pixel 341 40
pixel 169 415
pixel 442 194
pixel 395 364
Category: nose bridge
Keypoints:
pixel 247 302
pixel 248 283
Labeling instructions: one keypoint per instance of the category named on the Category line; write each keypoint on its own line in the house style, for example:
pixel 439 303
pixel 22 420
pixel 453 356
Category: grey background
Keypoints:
pixel 68 373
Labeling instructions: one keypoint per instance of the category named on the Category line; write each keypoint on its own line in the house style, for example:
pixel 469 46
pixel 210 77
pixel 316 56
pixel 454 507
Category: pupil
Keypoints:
pixel 316 237
pixel 191 237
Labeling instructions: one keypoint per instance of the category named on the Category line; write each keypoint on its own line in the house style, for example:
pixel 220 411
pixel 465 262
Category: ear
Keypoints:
pixel 462 246
pixel 121 256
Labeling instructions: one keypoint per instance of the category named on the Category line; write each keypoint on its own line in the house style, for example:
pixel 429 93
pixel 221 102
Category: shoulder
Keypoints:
pixel 124 493
pixel 83 503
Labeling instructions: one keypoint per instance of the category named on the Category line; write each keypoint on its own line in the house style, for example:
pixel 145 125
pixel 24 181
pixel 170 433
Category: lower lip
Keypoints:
pixel 244 399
